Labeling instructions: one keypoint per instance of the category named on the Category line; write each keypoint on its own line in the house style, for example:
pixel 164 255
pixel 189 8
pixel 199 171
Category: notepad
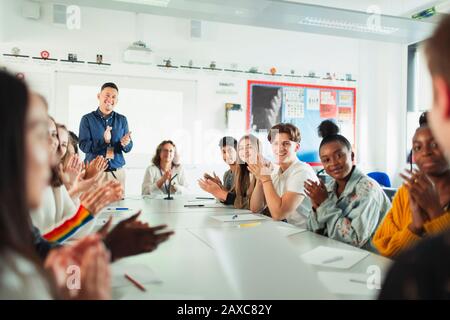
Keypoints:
pixel 140 273
pixel 350 283
pixel 333 257
pixel 238 217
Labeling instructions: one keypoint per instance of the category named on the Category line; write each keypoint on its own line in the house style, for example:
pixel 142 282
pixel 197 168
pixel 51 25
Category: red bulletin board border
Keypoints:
pixel 252 82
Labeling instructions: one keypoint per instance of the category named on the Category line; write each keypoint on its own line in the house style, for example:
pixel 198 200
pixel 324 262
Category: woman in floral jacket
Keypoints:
pixel 350 207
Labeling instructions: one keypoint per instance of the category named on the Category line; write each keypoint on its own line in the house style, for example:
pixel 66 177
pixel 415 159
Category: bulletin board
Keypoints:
pixel 305 106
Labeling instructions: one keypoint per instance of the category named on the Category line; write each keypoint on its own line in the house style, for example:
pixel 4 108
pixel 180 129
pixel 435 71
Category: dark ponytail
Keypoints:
pixel 329 132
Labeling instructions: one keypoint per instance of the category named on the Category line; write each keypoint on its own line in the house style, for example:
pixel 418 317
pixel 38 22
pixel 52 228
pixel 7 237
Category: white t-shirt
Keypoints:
pixel 292 180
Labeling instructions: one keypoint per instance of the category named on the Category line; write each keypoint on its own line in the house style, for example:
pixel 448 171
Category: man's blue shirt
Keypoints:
pixel 92 143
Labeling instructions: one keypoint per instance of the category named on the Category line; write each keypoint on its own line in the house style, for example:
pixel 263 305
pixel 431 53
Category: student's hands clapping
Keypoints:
pixel 261 170
pixel 214 179
pixel 424 192
pixel 96 198
pixel 316 191
pixel 419 217
pixel 99 164
pixel 131 237
pixel 424 199
pixel 81 185
pixel 86 262
pixel 209 186
pixel 70 171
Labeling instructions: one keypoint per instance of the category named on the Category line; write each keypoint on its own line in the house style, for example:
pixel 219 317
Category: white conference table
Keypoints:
pixel 189 268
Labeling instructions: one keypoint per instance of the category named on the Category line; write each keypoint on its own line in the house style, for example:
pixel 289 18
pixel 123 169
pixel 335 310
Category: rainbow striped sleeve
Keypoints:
pixel 70 226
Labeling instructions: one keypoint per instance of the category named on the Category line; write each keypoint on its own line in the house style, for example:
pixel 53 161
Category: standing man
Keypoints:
pixel 105 132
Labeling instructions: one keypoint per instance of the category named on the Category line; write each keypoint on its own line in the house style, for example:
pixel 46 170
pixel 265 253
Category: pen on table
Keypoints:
pixel 118 209
pixel 358 281
pixel 194 205
pixel 204 198
pixel 137 284
pixel 334 259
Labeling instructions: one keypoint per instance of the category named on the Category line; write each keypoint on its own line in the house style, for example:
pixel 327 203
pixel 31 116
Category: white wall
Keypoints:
pixel 380 68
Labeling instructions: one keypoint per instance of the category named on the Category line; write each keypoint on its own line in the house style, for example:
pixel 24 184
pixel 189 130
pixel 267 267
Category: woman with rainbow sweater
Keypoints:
pixel 58 218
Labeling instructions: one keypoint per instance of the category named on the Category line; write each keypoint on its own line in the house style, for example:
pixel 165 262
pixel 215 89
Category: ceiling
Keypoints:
pixel 387 20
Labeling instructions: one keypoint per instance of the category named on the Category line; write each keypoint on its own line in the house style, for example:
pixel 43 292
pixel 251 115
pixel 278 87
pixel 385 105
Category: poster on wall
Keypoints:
pixel 266 106
pixel 294 101
pixel 313 99
pixel 345 98
pixel 303 105
pixel 328 107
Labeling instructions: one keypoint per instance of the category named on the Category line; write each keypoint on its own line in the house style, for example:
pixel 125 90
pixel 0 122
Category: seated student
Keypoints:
pixel 58 217
pixel 72 144
pixel 228 146
pixel 76 176
pixel 25 172
pixel 421 207
pixel 350 207
pixel 423 272
pixel 72 147
pixel 282 191
pixel 162 170
pixel 249 151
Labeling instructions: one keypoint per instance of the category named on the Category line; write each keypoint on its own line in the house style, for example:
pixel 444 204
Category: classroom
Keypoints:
pixel 225 150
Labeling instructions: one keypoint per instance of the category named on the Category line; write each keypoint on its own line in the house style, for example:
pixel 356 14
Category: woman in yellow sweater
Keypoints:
pixel 421 206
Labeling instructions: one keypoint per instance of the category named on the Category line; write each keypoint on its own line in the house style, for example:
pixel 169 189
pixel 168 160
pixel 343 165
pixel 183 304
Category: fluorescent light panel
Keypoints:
pixel 156 3
pixel 345 25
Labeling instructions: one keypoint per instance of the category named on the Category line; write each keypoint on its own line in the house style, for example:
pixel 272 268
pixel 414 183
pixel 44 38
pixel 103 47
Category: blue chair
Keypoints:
pixel 380 177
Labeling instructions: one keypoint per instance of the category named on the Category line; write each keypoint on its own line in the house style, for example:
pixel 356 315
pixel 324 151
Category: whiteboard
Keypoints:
pixel 155 108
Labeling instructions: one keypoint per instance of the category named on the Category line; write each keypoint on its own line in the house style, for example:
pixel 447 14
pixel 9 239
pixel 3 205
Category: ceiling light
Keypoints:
pixel 345 25
pixel 156 3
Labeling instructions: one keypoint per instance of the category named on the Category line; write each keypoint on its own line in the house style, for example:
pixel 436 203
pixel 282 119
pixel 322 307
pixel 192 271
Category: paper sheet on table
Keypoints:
pixel 259 263
pixel 141 273
pixel 289 231
pixel 116 215
pixel 240 217
pixel 334 257
pixel 350 283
